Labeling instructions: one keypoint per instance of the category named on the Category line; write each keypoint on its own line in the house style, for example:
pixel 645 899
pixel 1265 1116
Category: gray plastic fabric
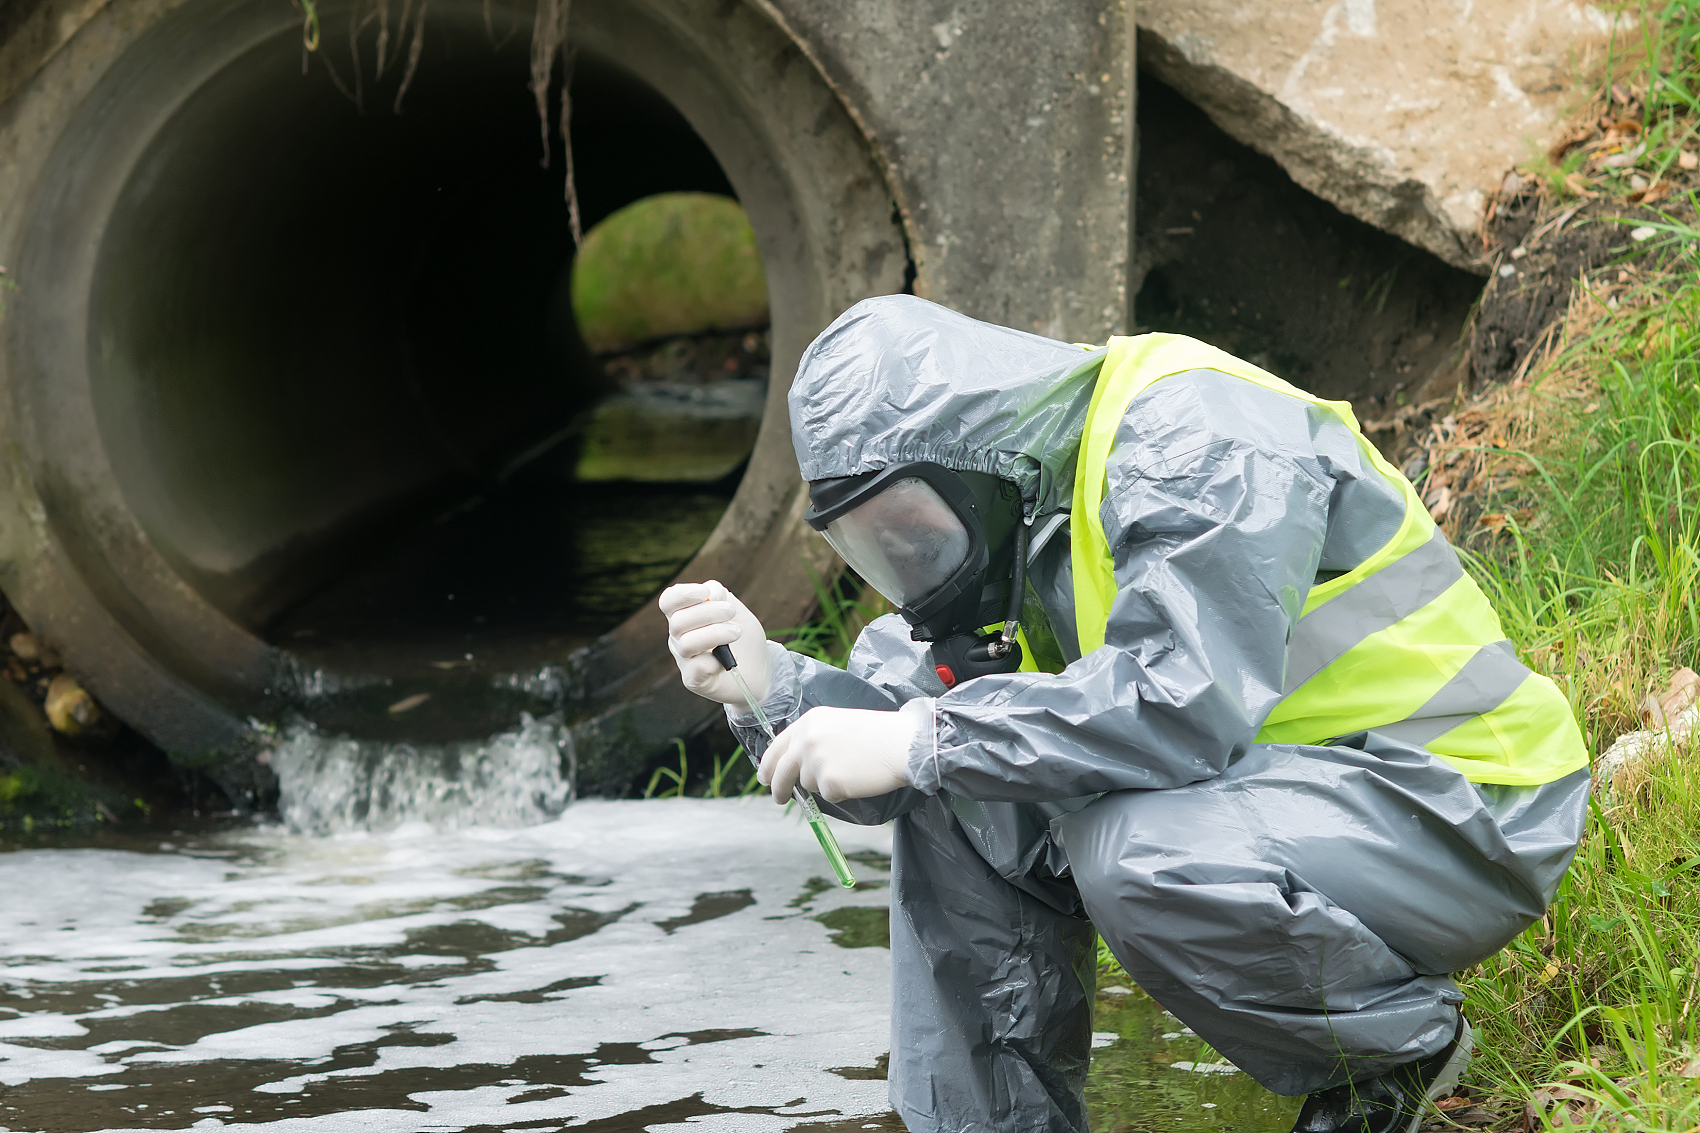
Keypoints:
pixel 1039 795
pixel 986 398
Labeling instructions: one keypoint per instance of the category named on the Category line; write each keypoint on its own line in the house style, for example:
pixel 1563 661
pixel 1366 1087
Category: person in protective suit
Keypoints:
pixel 1180 658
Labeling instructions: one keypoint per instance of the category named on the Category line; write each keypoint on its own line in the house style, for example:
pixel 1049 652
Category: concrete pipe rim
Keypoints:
pixel 82 567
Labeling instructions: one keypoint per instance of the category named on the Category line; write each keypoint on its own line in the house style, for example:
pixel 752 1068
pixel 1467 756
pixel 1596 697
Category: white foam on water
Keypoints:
pixel 750 1008
pixel 329 784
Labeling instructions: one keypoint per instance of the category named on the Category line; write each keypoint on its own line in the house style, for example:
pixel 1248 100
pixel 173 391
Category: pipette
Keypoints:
pixel 817 823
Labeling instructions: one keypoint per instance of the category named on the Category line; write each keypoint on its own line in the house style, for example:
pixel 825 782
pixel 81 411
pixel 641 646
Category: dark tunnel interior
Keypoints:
pixel 329 339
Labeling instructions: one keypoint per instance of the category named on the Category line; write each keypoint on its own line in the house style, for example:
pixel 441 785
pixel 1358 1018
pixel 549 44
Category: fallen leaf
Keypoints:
pixel 1577 186
pixel 408 703
pixel 1569 142
pixel 1646 196
pixel 1683 690
pixel 1494 522
pixel 1442 502
pixel 1688 159
pixel 1453 1102
pixel 1691 1068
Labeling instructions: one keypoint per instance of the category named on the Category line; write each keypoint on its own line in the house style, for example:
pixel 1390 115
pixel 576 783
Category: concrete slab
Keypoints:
pixel 1006 136
pixel 1404 115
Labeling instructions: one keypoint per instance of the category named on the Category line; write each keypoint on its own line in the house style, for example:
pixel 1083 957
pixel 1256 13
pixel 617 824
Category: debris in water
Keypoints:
pixel 25 647
pixel 408 703
pixel 1206 1067
pixel 70 708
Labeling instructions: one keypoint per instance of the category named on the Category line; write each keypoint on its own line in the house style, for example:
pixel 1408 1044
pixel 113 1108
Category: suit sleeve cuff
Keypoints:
pixel 783 692
pixel 923 762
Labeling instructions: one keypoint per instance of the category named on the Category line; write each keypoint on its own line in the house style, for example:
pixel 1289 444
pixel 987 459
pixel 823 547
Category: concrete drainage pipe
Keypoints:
pixel 263 338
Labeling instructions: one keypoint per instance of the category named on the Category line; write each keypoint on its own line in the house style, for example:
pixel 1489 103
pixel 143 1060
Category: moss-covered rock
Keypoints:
pixel 671 264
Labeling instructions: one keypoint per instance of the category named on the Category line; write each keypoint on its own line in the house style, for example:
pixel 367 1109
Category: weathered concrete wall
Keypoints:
pixel 1403 115
pixel 1006 134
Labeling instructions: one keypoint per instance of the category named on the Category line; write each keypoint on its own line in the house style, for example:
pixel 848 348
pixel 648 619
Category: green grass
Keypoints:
pixel 1591 554
pixel 1640 112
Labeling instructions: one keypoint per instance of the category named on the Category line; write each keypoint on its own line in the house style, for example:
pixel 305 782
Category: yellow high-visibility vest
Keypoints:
pixel 1405 644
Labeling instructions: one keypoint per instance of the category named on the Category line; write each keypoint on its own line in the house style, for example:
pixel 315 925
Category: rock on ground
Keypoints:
pixel 1404 115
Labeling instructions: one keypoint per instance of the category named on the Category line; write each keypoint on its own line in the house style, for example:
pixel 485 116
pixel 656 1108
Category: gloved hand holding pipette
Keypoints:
pixel 703 619
pixel 841 753
pixel 701 616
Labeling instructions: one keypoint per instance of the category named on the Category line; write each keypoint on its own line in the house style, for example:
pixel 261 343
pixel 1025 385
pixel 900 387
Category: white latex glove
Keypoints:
pixel 840 753
pixel 701 615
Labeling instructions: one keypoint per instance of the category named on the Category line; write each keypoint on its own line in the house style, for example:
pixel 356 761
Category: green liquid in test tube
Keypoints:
pixel 811 811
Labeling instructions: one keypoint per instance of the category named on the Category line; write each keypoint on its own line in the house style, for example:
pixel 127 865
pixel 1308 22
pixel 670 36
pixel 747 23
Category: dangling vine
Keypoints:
pixel 549 38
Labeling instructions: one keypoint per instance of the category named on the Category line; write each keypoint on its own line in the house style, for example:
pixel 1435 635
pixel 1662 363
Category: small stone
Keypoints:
pixel 25 647
pixel 1519 252
pixel 1506 271
pixel 1643 233
pixel 70 708
pixel 1688 159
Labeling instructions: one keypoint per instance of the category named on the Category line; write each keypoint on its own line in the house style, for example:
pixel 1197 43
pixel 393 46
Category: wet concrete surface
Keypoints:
pixel 656 965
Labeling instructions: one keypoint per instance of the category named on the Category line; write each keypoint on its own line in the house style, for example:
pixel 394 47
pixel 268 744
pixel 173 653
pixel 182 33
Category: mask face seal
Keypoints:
pixel 924 536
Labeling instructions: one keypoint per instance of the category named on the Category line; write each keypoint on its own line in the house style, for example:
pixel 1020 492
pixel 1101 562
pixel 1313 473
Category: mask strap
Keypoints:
pixel 1012 622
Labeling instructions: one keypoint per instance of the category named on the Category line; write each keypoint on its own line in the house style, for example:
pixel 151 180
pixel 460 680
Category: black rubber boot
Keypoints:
pixel 1393 1102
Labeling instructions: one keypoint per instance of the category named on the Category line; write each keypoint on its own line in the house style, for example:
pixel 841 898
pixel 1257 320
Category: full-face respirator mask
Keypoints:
pixel 948 548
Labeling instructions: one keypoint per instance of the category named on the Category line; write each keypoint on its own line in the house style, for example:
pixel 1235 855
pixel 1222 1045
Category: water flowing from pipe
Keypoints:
pixel 331 784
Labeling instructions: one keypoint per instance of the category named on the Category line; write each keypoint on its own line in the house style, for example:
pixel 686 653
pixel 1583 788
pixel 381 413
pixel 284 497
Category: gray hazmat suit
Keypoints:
pixel 1299 907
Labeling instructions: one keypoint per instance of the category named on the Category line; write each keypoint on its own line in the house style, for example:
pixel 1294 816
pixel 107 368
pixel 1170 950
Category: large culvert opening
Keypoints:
pixel 336 366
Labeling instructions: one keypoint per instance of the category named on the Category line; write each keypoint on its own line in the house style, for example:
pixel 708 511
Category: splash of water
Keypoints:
pixel 329 784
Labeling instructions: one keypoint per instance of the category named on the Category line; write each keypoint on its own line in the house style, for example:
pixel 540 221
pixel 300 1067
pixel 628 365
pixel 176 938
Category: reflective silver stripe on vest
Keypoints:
pixel 1384 598
pixel 1482 685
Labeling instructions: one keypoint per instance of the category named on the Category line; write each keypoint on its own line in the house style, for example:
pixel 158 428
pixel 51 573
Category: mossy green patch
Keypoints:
pixel 671 264
pixel 859 927
pixel 44 794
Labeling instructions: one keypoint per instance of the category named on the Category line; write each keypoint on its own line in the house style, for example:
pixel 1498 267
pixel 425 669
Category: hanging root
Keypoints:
pixel 548 34
pixel 567 129
pixel 383 7
pixel 414 50
pixel 309 24
pixel 356 25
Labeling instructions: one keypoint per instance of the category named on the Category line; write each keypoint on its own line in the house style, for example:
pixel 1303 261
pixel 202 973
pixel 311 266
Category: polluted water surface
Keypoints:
pixel 639 965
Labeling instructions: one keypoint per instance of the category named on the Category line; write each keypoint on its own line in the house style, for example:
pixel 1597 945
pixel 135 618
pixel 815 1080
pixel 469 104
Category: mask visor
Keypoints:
pixel 906 541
